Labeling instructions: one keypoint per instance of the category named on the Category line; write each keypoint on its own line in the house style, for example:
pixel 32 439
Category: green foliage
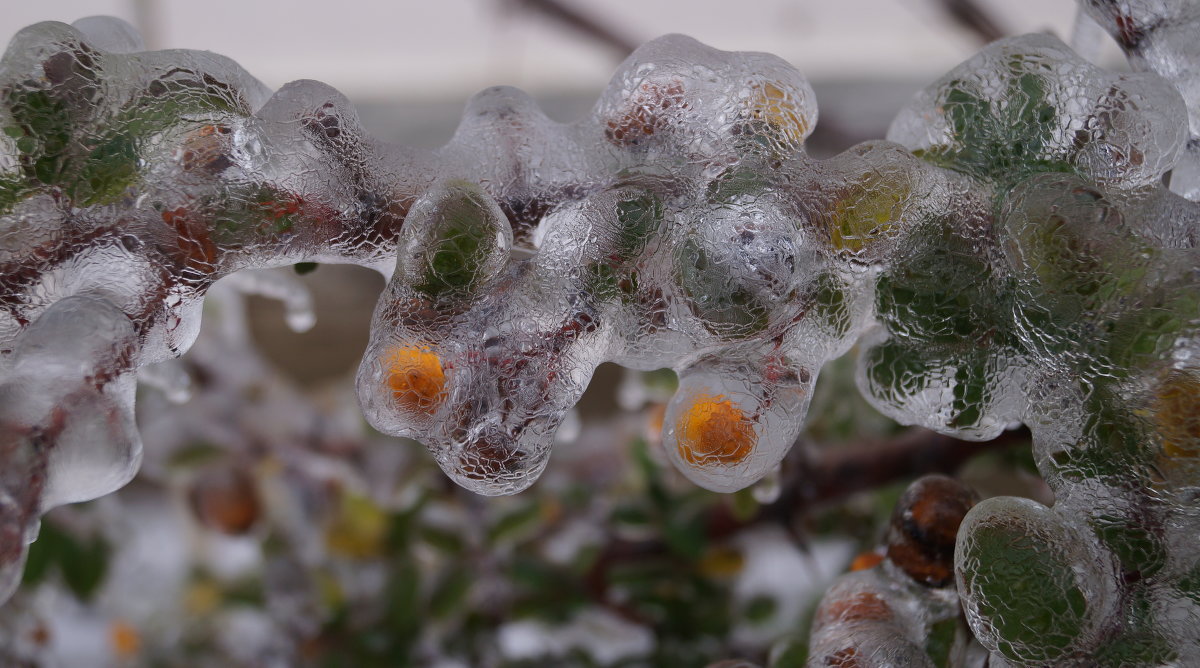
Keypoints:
pixel 81 562
pixel 43 130
pixel 830 304
pixel 464 231
pixel 939 644
pixel 615 275
pixel 1026 592
pixel 791 652
pixel 735 183
pixel 728 309
pixel 95 160
pixel 1001 137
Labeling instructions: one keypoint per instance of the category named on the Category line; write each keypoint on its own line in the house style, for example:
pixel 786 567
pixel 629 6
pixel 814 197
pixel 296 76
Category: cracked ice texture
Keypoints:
pixel 662 230
pixel 665 236
pixel 1068 301
pixel 1009 255
pixel 1160 36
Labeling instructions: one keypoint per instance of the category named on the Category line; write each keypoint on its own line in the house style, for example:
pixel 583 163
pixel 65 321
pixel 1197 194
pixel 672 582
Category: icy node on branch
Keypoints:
pixel 679 243
pixel 67 432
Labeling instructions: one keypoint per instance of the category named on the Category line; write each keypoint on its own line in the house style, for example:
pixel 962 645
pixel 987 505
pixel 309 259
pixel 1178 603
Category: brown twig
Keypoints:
pixel 582 23
pixel 970 15
pixel 836 473
pixel 814 477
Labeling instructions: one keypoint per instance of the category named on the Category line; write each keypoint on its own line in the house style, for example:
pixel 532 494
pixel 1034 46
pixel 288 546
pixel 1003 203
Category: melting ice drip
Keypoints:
pixel 1011 254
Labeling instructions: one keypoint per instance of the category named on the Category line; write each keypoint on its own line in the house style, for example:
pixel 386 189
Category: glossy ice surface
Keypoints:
pixel 1021 249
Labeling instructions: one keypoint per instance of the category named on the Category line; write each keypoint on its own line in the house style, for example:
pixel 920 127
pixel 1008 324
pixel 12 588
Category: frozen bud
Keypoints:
pixel 225 499
pixel 924 526
pixel 454 240
pixel 727 428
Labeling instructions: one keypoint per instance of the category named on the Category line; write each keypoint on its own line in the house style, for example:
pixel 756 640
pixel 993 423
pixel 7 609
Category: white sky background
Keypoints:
pixel 374 49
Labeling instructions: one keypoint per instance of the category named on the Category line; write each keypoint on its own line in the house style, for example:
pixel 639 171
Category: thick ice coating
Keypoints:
pixel 1010 255
pixel 660 231
pixel 1068 300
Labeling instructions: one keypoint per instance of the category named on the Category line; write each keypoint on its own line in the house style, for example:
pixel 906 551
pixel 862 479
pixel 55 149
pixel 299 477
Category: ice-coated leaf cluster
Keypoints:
pixel 1021 249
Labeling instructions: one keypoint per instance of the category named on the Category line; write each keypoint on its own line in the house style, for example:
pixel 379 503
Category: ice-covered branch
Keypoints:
pixel 1009 255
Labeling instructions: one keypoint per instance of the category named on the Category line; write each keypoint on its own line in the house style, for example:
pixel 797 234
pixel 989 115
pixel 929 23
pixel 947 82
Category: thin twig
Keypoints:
pixel 970 15
pixel 811 480
pixel 838 472
pixel 580 22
